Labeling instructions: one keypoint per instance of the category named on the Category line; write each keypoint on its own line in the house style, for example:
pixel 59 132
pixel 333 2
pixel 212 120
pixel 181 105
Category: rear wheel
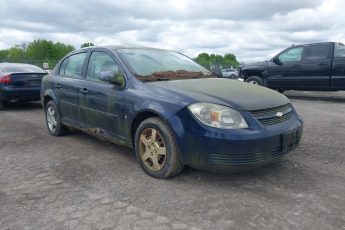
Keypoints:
pixel 233 76
pixel 255 80
pixel 156 149
pixel 2 106
pixel 55 127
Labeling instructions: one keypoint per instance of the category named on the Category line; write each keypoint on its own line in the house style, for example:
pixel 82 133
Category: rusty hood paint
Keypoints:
pixel 237 94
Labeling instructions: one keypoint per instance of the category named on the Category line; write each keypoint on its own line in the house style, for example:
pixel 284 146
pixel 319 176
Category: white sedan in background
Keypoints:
pixel 230 73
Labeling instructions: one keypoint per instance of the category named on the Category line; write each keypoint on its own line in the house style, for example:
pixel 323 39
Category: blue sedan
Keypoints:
pixel 170 110
pixel 19 82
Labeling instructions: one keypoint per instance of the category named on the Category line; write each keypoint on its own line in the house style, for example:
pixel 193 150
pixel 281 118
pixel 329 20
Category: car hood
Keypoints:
pixel 255 65
pixel 237 94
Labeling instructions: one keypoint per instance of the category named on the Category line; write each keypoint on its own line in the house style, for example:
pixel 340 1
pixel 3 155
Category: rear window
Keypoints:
pixel 20 68
pixel 75 65
pixel 339 50
pixel 317 52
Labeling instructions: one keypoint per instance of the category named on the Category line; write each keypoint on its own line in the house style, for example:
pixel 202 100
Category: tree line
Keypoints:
pixel 38 52
pixel 216 61
pixel 44 51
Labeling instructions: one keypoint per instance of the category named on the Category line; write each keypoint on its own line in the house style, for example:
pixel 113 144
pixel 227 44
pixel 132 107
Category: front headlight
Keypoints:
pixel 218 116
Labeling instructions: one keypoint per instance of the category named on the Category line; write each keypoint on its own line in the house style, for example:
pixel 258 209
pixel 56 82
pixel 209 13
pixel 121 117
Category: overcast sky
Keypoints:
pixel 251 29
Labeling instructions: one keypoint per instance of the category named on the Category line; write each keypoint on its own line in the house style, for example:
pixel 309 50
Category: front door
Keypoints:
pixel 286 71
pixel 102 103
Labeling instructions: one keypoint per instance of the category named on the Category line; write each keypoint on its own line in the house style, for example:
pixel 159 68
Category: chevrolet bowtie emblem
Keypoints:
pixel 279 114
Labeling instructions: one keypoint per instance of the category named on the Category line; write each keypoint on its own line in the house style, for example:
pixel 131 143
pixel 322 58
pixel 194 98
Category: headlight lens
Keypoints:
pixel 218 116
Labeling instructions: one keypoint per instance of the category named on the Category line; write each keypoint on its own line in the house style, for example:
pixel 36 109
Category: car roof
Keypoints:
pixel 14 64
pixel 118 47
pixel 7 67
pixel 315 43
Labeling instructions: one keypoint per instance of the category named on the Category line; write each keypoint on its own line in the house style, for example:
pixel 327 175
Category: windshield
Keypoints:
pixel 151 64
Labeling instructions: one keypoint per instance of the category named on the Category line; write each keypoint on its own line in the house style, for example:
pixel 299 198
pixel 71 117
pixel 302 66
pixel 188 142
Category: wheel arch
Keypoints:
pixel 253 74
pixel 139 118
pixel 48 96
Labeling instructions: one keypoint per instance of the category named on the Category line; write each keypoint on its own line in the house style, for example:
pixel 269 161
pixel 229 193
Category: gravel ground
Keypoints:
pixel 79 182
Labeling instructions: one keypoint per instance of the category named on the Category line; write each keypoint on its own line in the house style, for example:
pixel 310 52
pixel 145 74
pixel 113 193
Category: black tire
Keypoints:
pixel 173 163
pixel 2 105
pixel 232 76
pixel 59 129
pixel 255 80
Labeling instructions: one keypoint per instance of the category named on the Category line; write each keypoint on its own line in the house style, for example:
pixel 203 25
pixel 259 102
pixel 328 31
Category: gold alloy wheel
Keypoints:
pixel 152 149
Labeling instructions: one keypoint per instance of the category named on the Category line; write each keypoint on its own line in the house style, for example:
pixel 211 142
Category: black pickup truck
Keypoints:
pixel 317 66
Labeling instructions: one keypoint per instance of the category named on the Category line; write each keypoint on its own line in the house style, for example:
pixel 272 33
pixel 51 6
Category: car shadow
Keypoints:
pixel 282 172
pixel 337 97
pixel 188 173
pixel 123 151
pixel 19 106
pixel 259 172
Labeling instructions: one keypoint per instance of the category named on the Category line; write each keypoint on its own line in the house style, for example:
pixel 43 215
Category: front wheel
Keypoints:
pixel 255 80
pixel 55 127
pixel 156 149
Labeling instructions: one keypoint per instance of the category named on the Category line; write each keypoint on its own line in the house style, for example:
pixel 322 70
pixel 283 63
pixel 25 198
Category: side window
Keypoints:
pixel 63 67
pixel 101 63
pixel 74 65
pixel 339 50
pixel 293 55
pixel 318 52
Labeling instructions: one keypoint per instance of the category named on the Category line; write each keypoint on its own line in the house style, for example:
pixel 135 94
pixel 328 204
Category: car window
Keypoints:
pixel 292 55
pixel 339 50
pixel 317 52
pixel 63 67
pixel 99 63
pixel 75 65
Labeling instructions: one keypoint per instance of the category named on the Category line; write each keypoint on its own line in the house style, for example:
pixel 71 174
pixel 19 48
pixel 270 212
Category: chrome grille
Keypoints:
pixel 270 117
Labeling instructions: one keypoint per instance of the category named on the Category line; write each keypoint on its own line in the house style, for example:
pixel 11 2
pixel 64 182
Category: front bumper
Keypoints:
pixel 221 150
pixel 8 94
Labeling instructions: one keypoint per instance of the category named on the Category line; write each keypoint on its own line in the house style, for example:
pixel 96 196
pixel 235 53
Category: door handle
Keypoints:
pixel 58 86
pixel 84 91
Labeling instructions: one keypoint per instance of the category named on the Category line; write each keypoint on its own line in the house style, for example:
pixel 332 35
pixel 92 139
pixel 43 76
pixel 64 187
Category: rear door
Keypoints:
pixel 102 103
pixel 338 68
pixel 67 86
pixel 316 68
pixel 287 74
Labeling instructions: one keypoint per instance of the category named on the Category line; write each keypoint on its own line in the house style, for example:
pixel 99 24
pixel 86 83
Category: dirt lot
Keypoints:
pixel 79 182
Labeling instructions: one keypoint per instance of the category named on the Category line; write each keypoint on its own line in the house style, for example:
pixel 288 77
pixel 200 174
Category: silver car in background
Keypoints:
pixel 230 73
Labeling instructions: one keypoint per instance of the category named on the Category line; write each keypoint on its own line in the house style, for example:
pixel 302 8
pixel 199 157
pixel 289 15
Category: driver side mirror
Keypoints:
pixel 277 61
pixel 111 77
